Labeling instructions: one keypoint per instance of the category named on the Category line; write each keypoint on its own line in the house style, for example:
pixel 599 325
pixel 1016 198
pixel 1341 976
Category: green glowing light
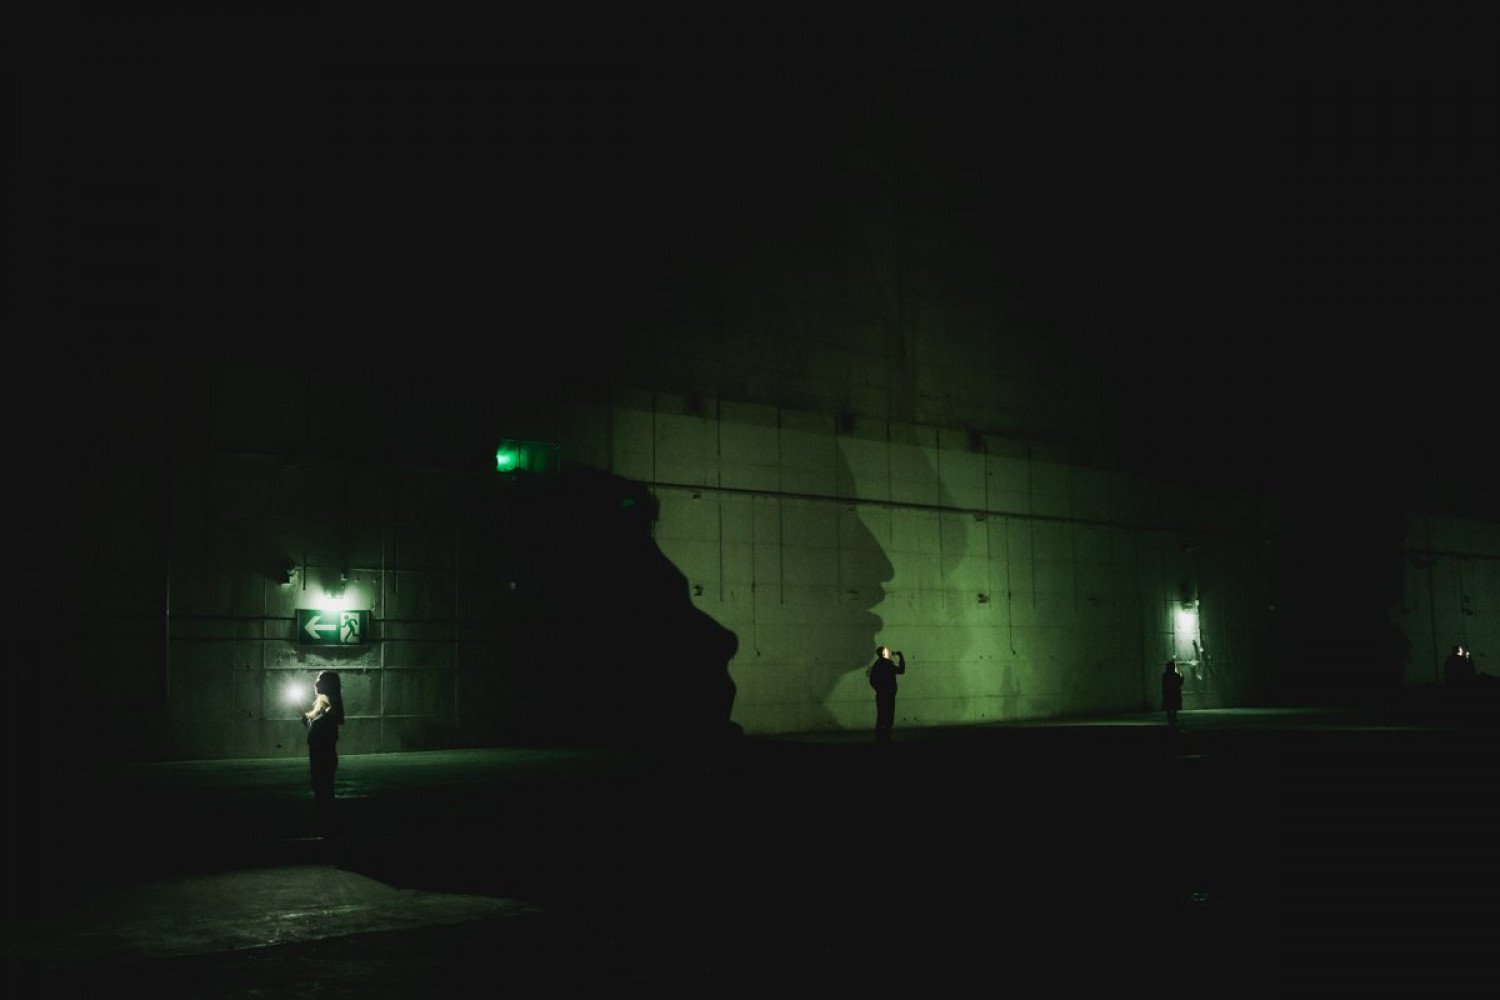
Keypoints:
pixel 525 456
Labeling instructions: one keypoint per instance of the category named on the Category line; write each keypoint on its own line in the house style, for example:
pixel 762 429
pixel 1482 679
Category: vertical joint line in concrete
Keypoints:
pixel 1073 558
pixel 1010 614
pixel 780 518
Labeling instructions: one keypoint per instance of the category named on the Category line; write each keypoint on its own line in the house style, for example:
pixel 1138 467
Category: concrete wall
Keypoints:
pixel 1019 586
pixel 1450 595
pixel 838 347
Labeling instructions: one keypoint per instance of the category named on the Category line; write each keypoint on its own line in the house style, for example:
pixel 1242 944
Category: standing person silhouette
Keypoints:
pixel 1171 692
pixel 883 679
pixel 1458 668
pixel 323 721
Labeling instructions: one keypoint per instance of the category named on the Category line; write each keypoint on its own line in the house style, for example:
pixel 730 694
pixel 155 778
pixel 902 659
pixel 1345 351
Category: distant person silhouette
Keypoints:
pixel 1458 668
pixel 1171 692
pixel 883 679
pixel 1468 691
pixel 323 721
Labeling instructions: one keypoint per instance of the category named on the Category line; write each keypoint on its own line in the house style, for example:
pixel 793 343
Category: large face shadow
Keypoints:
pixel 601 643
pixel 891 588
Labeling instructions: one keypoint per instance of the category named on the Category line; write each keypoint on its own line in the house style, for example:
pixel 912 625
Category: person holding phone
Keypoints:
pixel 1171 692
pixel 323 721
pixel 882 674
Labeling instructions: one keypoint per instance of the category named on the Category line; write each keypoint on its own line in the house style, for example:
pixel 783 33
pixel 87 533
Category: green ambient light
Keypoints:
pixel 513 455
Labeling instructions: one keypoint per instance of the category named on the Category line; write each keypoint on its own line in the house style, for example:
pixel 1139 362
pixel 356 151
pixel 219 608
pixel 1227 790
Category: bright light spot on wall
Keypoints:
pixel 345 597
pixel 1185 621
pixel 513 455
pixel 294 693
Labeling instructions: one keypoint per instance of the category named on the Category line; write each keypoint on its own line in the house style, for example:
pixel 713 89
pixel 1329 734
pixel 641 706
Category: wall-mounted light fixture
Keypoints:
pixel 515 455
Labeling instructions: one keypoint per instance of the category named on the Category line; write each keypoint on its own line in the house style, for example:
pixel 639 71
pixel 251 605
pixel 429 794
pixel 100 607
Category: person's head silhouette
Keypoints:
pixel 573 558
pixel 329 685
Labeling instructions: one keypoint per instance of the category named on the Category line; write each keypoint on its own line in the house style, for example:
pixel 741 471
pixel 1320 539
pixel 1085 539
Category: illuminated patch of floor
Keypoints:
pixel 234 911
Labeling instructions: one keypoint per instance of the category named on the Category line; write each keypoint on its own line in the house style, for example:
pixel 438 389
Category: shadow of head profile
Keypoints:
pixel 601 643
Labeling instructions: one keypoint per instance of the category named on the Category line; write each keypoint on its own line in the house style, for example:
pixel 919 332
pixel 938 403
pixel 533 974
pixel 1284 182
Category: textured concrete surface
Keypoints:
pixel 1346 849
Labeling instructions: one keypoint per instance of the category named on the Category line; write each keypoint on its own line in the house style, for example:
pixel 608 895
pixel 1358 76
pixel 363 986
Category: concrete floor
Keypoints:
pixel 1259 847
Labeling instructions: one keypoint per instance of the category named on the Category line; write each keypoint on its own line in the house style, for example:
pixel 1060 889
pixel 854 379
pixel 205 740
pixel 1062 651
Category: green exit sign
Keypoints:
pixel 332 628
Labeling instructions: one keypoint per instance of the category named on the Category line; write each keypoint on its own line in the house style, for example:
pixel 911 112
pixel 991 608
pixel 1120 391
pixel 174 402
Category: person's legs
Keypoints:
pixel 323 769
pixel 885 716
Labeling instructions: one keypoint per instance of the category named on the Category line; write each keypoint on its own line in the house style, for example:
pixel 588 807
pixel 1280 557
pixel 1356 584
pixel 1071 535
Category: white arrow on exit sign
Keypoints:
pixel 315 625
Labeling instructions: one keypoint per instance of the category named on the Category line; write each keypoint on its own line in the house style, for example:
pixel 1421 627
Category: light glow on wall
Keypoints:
pixel 334 602
pixel 342 597
pixel 515 455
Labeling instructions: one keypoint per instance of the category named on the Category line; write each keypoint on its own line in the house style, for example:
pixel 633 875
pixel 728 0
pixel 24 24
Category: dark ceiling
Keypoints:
pixel 1275 238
